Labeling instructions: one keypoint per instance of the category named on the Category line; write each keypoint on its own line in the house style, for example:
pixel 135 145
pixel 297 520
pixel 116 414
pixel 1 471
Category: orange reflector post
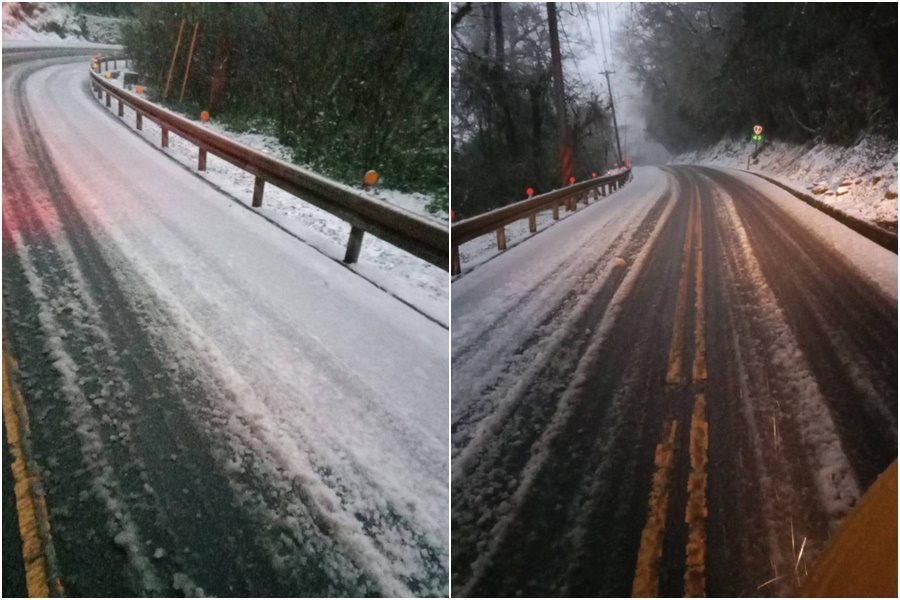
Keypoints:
pixel 571 180
pixel 204 116
pixel 370 178
pixel 140 89
pixel 108 75
pixel 530 192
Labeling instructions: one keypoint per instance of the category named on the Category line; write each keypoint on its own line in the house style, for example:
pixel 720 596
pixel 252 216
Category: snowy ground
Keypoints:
pixel 411 279
pixel 57 24
pixel 860 181
pixel 303 380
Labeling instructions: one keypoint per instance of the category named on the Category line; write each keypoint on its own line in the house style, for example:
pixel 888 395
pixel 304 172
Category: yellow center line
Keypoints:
pixel 646 573
pixel 673 373
pixel 34 526
pixel 699 368
pixel 696 511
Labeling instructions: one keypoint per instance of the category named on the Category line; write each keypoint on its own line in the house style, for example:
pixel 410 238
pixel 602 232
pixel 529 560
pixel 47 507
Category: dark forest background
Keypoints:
pixel 346 86
pixel 504 122
pixel 807 71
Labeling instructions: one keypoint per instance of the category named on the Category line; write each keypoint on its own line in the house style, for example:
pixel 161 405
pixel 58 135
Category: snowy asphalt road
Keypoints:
pixel 680 425
pixel 215 406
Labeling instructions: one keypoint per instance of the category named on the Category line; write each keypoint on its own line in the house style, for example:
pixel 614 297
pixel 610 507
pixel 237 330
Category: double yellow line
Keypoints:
pixel 646 576
pixel 41 579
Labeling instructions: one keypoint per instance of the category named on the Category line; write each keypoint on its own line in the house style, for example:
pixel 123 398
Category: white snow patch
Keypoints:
pixel 855 180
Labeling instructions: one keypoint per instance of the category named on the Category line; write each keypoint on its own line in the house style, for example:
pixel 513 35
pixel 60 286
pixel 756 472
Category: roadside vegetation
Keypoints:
pixel 347 87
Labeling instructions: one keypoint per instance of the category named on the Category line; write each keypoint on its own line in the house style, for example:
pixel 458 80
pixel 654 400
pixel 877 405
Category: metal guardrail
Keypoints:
pixel 405 230
pixel 497 220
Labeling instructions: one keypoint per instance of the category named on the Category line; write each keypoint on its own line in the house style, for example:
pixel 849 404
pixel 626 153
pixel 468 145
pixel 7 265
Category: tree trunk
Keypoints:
pixel 219 73
pixel 565 143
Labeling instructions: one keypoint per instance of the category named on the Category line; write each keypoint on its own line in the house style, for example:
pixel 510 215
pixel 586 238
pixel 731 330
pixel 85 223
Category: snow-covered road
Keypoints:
pixel 668 392
pixel 215 404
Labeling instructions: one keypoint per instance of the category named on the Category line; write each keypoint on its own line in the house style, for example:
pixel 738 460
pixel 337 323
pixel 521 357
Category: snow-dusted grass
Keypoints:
pixel 409 278
pixel 860 181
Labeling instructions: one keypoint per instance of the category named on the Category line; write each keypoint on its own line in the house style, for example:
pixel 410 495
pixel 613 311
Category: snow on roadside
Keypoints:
pixel 876 263
pixel 411 279
pixel 478 251
pixel 860 181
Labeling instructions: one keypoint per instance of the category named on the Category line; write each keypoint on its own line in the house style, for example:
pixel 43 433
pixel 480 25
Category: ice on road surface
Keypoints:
pixel 319 375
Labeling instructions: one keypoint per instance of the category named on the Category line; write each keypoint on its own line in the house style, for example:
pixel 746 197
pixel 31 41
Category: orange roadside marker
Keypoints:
pixel 370 178
pixel 204 116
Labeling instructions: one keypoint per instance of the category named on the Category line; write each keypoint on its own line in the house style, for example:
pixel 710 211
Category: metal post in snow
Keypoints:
pixel 354 244
pixel 201 159
pixel 258 186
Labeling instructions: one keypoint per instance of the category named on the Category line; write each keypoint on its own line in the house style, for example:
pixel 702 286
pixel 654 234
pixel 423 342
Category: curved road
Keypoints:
pixel 679 391
pixel 215 407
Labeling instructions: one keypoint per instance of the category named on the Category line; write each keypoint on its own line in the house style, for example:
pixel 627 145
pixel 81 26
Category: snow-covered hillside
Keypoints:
pixel 860 180
pixel 53 22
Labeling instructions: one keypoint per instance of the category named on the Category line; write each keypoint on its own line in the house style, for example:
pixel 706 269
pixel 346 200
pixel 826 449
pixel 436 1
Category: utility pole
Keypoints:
pixel 565 140
pixel 612 107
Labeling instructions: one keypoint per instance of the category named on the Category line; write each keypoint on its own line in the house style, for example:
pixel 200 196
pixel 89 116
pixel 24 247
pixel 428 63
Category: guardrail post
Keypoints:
pixel 108 100
pixel 501 238
pixel 455 266
pixel 201 159
pixel 121 109
pixel 532 223
pixel 556 211
pixel 138 120
pixel 99 93
pixel 164 142
pixel 354 244
pixel 586 197
pixel 258 186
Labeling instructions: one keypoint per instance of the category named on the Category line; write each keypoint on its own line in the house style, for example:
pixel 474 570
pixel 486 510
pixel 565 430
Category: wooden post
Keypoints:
pixel 354 244
pixel 174 56
pixel 532 223
pixel 556 211
pixel 455 265
pixel 501 238
pixel 187 69
pixel 121 109
pixel 138 120
pixel 99 93
pixel 201 159
pixel 586 197
pixel 164 142
pixel 108 100
pixel 258 186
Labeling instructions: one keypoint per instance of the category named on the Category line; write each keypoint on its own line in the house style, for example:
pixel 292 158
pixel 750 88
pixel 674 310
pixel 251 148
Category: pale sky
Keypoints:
pixel 597 25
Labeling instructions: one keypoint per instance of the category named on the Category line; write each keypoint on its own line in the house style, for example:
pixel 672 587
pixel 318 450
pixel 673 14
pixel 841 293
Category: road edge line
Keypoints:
pixel 646 571
pixel 870 231
pixel 39 556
